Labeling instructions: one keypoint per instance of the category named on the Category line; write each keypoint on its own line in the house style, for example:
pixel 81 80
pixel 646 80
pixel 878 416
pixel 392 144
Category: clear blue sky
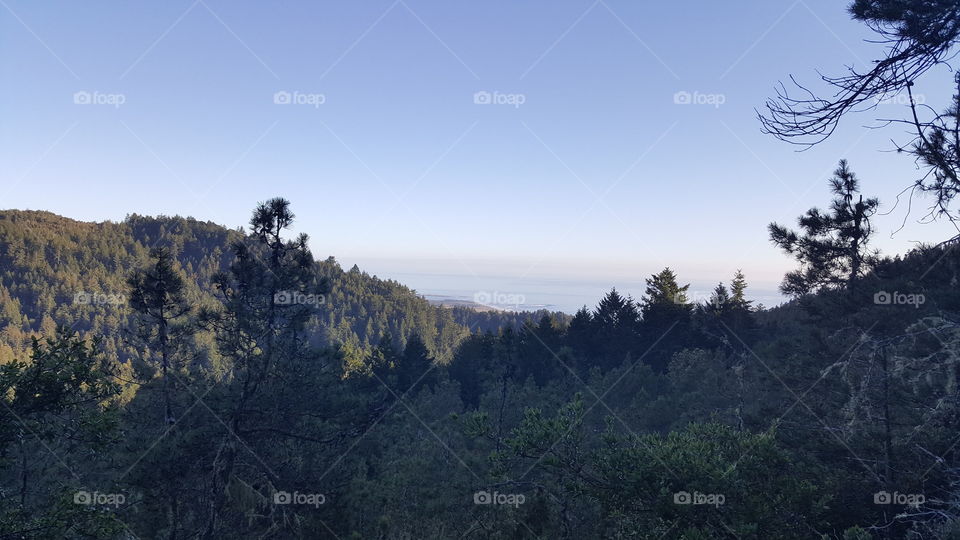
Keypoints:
pixel 598 172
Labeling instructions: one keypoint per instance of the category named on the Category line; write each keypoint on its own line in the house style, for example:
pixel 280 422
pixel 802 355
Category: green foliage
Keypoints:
pixel 56 419
pixel 797 416
pixel 833 248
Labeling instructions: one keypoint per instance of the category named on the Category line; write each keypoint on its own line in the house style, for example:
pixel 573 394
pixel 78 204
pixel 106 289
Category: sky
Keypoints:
pixel 591 140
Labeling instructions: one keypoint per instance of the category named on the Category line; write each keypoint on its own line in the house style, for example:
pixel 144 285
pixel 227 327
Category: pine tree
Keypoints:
pixel 539 346
pixel 720 300
pixel 738 288
pixel 615 328
pixel 580 334
pixel 738 319
pixel 269 295
pixel 157 294
pixel 666 318
pixel 832 249
pixel 415 366
pixel 663 289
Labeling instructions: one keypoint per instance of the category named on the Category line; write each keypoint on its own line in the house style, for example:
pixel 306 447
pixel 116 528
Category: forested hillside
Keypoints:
pixel 57 271
pixel 164 377
pixel 834 415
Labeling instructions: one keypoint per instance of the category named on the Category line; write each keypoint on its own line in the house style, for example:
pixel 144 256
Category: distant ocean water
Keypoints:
pixel 533 293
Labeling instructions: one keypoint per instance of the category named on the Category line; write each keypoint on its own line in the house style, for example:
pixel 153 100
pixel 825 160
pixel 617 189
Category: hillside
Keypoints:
pixel 818 418
pixel 57 271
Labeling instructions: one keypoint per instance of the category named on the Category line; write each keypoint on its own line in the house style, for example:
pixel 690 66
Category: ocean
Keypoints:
pixel 554 294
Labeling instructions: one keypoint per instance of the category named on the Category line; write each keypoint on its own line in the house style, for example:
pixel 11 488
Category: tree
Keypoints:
pixel 666 316
pixel 918 35
pixel 645 486
pixel 580 331
pixel 738 288
pixel 833 248
pixel 277 378
pixel 415 366
pixel 468 367
pixel 739 313
pixel 664 291
pixel 157 294
pixel 615 329
pixel 719 302
pixel 56 412
pixel 539 347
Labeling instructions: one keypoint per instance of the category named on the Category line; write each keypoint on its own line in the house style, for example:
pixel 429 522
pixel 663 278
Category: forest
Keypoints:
pixel 166 377
pixel 200 390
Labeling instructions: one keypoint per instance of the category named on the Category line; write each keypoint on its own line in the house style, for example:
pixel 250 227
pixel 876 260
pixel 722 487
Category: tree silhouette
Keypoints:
pixel 832 248
pixel 414 366
pixel 918 35
pixel 157 294
pixel 666 313
pixel 615 328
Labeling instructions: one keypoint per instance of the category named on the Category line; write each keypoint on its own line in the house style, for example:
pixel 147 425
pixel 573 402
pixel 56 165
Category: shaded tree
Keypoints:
pixel 614 324
pixel 917 36
pixel 832 248
pixel 415 366
pixel 157 293
pixel 666 318
pixel 55 414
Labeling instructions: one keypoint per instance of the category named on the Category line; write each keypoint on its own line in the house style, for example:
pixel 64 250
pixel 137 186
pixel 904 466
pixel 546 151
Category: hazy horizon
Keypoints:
pixel 543 284
pixel 754 201
pixel 400 131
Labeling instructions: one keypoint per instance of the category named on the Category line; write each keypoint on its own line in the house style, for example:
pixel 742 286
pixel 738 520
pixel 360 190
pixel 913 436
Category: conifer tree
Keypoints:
pixel 269 294
pixel 665 299
pixel 738 288
pixel 415 366
pixel 580 334
pixel 157 294
pixel 615 325
pixel 832 248
pixel 720 300
pixel 666 313
pixel 739 318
